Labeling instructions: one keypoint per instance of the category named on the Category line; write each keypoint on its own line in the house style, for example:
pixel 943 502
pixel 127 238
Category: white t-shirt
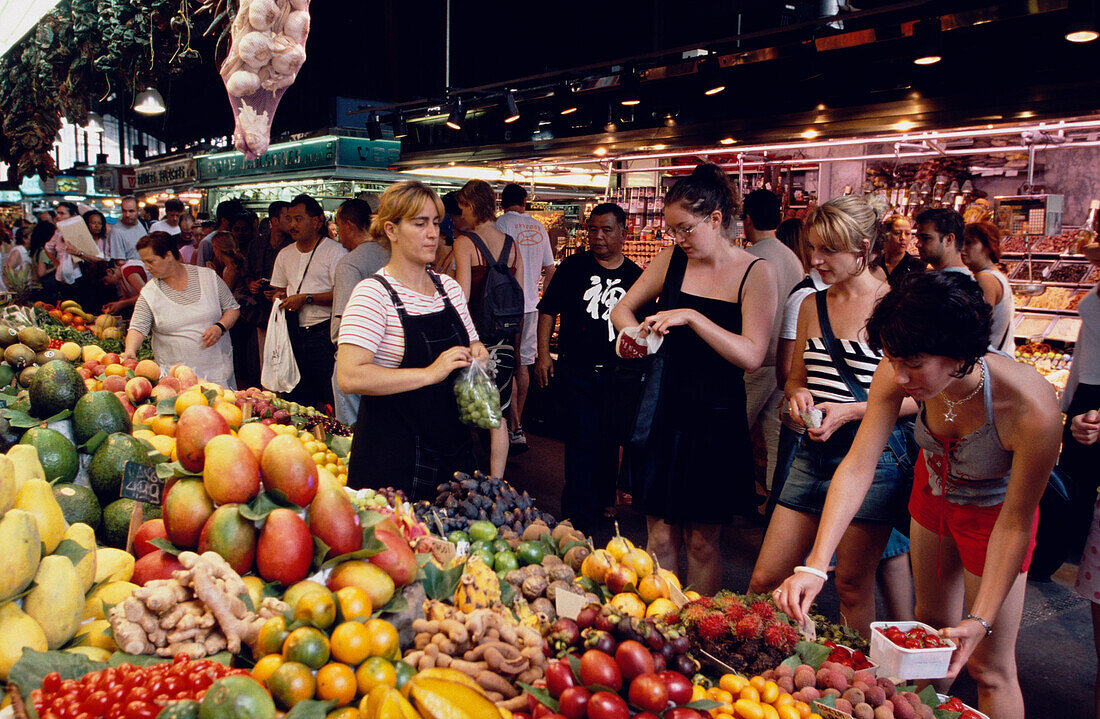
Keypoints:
pixel 163 226
pixel 122 240
pixel 534 248
pixel 788 329
pixel 290 264
pixel 371 321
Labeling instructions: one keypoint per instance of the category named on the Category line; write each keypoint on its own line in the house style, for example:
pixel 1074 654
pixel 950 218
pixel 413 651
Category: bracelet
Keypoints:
pixel 220 326
pixel 810 570
pixel 979 620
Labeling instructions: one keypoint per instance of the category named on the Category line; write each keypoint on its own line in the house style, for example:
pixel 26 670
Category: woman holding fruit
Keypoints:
pixel 717 302
pixel 188 310
pixel 404 332
pixel 831 357
pixel 989 430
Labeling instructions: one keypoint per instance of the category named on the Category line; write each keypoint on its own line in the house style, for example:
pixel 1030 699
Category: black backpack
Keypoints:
pixel 499 314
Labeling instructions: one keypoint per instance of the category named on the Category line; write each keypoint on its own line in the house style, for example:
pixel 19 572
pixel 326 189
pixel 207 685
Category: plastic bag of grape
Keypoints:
pixel 478 398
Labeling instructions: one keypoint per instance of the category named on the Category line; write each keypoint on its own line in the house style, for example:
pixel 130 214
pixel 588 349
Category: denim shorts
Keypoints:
pixel 812 470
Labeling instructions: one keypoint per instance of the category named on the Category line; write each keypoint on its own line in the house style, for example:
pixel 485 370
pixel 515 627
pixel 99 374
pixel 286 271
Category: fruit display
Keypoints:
pixel 483 644
pixel 856 693
pixel 197 612
pixel 467 499
pixel 629 575
pixel 746 632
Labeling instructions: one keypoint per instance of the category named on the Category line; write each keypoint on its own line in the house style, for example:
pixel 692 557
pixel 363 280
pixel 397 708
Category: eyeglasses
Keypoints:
pixel 670 234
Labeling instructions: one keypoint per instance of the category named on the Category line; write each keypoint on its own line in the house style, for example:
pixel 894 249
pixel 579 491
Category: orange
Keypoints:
pixel 350 643
pixel 336 682
pixel 163 424
pixel 375 672
pixel 291 683
pixel 383 639
pixel 629 604
pixel 231 412
pixel 164 445
pixel 317 609
pixel 308 646
pixel 146 434
pixel 266 667
pixel 188 399
pixel 272 635
pixel 115 370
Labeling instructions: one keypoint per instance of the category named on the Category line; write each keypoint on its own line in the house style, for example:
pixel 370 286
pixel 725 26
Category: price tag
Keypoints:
pixel 141 483
pixel 829 712
pixel 568 604
pixel 676 596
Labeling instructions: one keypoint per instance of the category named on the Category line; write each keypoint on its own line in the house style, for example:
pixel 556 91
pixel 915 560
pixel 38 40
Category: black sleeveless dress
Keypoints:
pixel 697 466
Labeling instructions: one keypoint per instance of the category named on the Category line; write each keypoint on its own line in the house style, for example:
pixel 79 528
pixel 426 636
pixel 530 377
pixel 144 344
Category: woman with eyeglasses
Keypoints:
pixel 694 471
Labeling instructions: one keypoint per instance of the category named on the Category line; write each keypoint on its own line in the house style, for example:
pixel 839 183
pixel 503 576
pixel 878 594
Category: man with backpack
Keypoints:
pixel 534 246
pixel 489 269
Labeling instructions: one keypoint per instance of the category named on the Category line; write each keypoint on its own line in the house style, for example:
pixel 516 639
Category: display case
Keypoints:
pixel 1029 214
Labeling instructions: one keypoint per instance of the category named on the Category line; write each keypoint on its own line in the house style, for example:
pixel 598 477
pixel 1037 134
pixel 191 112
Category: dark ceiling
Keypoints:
pixel 1000 59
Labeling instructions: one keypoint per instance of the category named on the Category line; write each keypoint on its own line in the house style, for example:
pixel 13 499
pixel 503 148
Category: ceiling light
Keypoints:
pixel 569 110
pixel 904 125
pixel 726 141
pixel 927 35
pixel 820 107
pixel 457 116
pixel 149 102
pixel 628 86
pixel 1082 21
pixel 511 110
pixel 374 127
pixel 809 134
pixel 95 123
pixel 712 79
pixel 400 127
pixel 601 151
pixel 714 90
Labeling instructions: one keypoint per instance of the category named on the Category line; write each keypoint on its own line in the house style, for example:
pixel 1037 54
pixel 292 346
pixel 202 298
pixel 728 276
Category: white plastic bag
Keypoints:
pixel 280 370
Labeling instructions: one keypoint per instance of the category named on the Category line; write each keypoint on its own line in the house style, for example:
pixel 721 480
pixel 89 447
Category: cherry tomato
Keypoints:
pixel 50 683
pixel 180 659
pixel 96 703
pixel 141 710
pixel 139 694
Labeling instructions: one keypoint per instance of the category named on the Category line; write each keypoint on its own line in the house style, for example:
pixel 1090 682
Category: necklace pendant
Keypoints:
pixel 949 415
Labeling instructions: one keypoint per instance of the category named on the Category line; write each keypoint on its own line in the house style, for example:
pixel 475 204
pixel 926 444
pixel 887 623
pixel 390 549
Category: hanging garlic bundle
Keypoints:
pixel 268 49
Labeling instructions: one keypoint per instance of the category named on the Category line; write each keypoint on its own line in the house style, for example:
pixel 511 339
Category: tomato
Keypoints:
pixel 573 703
pixel 51 682
pixel 599 668
pixel 633 659
pixel 70 685
pixel 679 686
pixel 180 659
pixel 139 694
pixel 96 703
pixel 682 713
pixel 141 710
pixel 648 692
pixel 540 711
pixel 605 705
pixel 174 684
pixel 559 677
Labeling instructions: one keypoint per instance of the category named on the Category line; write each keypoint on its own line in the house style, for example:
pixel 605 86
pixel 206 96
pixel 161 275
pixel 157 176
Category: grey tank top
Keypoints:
pixel 975 468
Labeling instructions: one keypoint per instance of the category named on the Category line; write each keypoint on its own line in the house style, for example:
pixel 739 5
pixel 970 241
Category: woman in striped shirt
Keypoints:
pixel 839 234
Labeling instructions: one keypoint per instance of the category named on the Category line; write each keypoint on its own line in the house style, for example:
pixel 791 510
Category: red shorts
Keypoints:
pixel 968 525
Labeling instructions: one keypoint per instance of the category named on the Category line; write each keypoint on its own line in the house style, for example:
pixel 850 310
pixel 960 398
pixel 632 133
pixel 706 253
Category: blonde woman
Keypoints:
pixel 403 333
pixel 839 234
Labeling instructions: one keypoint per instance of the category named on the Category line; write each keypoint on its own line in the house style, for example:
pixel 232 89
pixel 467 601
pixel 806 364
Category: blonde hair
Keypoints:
pixel 843 223
pixel 226 243
pixel 401 201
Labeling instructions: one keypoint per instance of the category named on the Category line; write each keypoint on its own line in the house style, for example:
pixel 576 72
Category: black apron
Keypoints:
pixel 414 440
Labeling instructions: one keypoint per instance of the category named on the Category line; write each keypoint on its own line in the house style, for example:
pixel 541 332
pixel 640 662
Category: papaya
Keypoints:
pixel 17 632
pixel 57 600
pixel 22 550
pixel 36 497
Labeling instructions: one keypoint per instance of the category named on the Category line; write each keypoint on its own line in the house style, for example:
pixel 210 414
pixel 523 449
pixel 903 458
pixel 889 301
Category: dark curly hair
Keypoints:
pixel 935 313
pixel 706 189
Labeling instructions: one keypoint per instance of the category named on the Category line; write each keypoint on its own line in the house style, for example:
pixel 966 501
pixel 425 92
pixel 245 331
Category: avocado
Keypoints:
pixel 78 504
pixel 19 355
pixel 55 452
pixel 116 521
pixel 109 461
pixel 34 338
pixel 56 387
pixel 98 411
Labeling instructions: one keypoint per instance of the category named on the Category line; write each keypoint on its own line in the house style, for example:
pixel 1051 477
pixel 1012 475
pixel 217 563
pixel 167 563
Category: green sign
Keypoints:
pixel 314 154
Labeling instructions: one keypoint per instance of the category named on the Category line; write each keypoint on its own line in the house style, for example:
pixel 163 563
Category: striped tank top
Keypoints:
pixel 822 378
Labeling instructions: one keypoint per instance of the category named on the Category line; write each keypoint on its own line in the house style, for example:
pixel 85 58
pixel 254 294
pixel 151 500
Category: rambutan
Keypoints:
pixel 712 626
pixel 692 612
pixel 736 612
pixel 749 627
pixel 780 635
pixel 705 602
pixel 763 609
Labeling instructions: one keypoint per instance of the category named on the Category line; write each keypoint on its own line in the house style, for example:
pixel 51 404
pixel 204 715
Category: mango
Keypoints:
pixel 198 424
pixel 22 549
pixel 397 560
pixel 157 564
pixel 114 565
pixel 334 519
pixel 24 457
pixel 256 435
pixel 287 466
pixel 230 535
pixel 111 593
pixel 187 506
pixel 7 484
pixel 284 551
pixel 36 497
pixel 84 535
pixel 94 634
pixel 231 472
pixel 17 632
pixel 57 600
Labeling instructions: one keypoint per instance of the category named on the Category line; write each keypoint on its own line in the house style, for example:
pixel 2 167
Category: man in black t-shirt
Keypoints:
pixel 583 291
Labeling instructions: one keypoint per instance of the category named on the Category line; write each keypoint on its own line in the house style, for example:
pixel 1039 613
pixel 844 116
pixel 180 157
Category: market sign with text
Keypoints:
pixel 155 175
pixel 316 154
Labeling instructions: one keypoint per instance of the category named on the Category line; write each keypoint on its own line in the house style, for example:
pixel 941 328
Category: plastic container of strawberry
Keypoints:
pixel 910 659
pixel 954 704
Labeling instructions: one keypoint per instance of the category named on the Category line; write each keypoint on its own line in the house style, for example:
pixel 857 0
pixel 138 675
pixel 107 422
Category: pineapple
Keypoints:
pixel 479 587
